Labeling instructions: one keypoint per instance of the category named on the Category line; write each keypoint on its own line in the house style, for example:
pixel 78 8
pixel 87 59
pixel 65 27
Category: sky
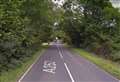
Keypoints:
pixel 116 3
pixel 59 2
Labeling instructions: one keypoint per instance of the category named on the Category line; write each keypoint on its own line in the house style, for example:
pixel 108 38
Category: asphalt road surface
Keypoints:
pixel 58 64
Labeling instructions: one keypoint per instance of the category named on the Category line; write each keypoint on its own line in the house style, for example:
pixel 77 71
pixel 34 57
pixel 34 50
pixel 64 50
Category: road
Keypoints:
pixel 58 64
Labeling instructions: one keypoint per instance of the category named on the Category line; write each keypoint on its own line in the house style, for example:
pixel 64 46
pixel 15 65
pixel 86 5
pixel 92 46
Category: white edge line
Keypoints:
pixel 69 72
pixel 25 73
pixel 28 70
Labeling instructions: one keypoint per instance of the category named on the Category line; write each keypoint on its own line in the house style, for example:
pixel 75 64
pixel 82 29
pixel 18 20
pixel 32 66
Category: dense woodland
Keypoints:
pixel 93 25
pixel 24 25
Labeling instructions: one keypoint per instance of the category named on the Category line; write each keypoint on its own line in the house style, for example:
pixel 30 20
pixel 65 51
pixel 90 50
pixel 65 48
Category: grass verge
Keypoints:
pixel 109 66
pixel 14 75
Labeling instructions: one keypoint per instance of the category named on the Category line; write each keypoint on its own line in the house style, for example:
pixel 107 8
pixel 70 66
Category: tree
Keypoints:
pixel 93 25
pixel 24 24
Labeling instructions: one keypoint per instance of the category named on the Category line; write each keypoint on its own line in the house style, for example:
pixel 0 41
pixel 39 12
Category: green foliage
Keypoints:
pixel 107 65
pixel 23 25
pixel 93 25
pixel 61 35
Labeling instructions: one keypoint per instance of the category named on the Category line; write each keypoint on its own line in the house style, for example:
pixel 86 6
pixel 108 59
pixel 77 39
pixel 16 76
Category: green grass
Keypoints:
pixel 109 66
pixel 14 75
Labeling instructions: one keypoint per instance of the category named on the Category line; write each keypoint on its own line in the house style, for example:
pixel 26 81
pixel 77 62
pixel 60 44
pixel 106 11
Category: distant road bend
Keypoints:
pixel 58 64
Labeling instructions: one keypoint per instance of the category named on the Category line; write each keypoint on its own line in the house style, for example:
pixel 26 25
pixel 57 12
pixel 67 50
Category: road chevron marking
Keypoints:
pixel 69 73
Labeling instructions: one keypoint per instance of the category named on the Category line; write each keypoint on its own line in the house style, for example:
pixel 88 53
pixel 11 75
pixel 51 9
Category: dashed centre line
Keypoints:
pixel 61 55
pixel 69 73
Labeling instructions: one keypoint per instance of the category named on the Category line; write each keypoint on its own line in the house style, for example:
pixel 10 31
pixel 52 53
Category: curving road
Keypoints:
pixel 58 64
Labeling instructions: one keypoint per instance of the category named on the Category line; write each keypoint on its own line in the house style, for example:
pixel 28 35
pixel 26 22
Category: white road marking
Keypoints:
pixel 49 67
pixel 28 70
pixel 25 73
pixel 61 55
pixel 91 63
pixel 69 72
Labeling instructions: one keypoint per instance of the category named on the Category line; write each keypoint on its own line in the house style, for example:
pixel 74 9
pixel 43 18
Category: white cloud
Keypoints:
pixel 58 2
pixel 116 3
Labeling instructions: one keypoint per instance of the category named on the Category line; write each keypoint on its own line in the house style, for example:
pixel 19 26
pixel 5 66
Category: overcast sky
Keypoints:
pixel 59 2
pixel 116 3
